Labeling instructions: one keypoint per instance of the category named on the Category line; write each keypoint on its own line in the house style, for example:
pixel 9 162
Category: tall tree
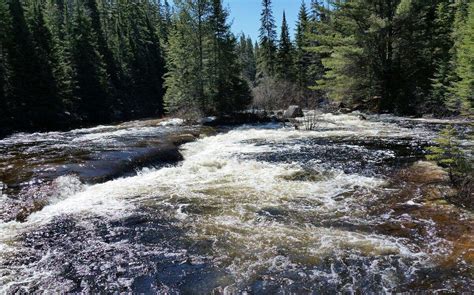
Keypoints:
pixel 302 43
pixel 89 70
pixel 247 58
pixel 30 83
pixel 267 39
pixel 285 54
pixel 204 72
pixel 4 35
pixel 464 87
pixel 147 65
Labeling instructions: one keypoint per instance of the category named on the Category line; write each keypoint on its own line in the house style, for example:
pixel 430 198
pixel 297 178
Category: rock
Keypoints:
pixel 344 111
pixel 181 139
pixel 293 111
pixel 362 117
pixel 424 172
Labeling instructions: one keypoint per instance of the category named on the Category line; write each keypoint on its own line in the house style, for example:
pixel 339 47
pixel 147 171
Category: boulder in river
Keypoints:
pixel 181 139
pixel 293 111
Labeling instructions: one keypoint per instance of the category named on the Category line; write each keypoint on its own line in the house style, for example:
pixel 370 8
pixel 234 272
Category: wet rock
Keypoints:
pixel 309 175
pixel 239 119
pixel 293 111
pixel 26 211
pixel 424 172
pixel 181 139
pixel 344 111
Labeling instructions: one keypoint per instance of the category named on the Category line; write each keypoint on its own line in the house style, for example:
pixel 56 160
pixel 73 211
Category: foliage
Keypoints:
pixel 447 153
pixel 464 88
pixel 405 56
pixel 267 42
pixel 204 69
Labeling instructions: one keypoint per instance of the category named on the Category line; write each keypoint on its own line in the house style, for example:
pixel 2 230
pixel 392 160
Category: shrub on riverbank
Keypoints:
pixel 448 154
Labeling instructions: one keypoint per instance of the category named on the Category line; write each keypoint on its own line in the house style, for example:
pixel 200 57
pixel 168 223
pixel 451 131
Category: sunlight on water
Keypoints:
pixel 253 218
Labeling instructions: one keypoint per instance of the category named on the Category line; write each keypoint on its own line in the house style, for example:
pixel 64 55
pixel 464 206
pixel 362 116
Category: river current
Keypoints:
pixel 260 209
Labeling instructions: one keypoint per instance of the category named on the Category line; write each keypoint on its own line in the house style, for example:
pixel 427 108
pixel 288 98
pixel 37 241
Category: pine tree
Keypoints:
pixel 102 45
pixel 464 87
pixel 267 46
pixel 147 65
pixel 89 73
pixel 444 75
pixel 4 34
pixel 30 79
pixel 229 92
pixel 247 59
pixel 301 45
pixel 57 21
pixel 285 54
pixel 183 79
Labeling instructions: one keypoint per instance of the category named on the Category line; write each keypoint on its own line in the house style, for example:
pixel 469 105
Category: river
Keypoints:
pixel 260 209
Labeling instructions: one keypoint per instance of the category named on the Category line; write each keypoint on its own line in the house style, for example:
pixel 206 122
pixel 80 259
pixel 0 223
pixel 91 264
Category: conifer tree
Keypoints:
pixel 102 45
pixel 247 59
pixel 89 73
pixel 183 78
pixel 57 21
pixel 4 34
pixel 302 43
pixel 267 46
pixel 285 54
pixel 147 65
pixel 464 87
pixel 30 79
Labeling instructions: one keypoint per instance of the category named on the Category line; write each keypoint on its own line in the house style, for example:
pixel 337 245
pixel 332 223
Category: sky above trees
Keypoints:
pixel 245 15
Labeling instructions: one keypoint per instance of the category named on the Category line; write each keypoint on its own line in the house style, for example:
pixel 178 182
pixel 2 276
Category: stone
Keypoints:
pixel 293 111
pixel 181 139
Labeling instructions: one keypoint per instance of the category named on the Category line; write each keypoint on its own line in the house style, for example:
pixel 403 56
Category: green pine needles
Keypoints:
pixel 448 154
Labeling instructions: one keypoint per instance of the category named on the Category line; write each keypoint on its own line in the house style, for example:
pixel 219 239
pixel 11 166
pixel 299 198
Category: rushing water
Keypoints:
pixel 260 209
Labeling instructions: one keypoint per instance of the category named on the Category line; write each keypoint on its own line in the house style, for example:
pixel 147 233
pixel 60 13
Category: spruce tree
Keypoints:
pixel 57 21
pixel 183 79
pixel 444 75
pixel 89 73
pixel 102 45
pixel 267 39
pixel 4 35
pixel 464 87
pixel 302 43
pixel 30 81
pixel 285 54
pixel 147 65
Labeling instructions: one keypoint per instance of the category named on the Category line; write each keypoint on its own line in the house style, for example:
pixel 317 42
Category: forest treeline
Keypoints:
pixel 66 63
pixel 408 57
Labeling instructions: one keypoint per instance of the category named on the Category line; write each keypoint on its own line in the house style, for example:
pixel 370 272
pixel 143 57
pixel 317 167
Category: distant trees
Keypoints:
pixel 204 71
pixel 405 56
pixel 463 87
pixel 64 63
pixel 247 57
pixel 68 62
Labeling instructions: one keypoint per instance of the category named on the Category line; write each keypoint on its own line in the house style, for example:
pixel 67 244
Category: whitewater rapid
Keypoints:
pixel 253 204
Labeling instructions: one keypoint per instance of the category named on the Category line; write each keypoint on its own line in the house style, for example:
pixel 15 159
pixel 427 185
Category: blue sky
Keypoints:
pixel 245 14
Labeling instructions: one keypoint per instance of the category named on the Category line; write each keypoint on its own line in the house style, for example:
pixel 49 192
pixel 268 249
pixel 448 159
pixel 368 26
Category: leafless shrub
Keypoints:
pixel 191 114
pixel 271 94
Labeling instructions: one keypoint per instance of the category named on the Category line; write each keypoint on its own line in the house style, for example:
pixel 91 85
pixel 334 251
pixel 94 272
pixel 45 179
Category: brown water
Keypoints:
pixel 260 209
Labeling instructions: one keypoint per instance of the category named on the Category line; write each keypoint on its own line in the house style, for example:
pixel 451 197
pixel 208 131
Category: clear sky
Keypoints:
pixel 245 14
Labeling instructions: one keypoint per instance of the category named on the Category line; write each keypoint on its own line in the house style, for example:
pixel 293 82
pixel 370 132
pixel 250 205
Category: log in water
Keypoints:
pixel 258 208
